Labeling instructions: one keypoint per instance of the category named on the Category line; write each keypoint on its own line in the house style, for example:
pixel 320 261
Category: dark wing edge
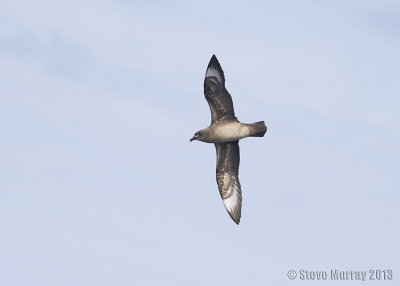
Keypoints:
pixel 218 98
pixel 228 159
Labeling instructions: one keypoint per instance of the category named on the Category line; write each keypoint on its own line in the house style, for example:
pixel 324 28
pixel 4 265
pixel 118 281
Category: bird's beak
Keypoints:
pixel 193 138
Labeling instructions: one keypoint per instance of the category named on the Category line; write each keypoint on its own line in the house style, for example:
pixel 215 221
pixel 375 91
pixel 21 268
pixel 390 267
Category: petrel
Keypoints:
pixel 225 132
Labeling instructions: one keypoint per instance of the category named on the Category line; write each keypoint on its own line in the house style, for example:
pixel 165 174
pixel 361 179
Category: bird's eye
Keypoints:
pixel 199 134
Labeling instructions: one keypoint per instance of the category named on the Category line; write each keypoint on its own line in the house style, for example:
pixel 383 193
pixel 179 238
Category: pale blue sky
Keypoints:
pixel 99 184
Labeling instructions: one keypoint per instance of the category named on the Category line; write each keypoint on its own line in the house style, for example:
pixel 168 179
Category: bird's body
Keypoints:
pixel 229 131
pixel 225 131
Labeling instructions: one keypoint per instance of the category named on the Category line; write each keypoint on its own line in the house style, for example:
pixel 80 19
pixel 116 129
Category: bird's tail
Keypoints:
pixel 258 129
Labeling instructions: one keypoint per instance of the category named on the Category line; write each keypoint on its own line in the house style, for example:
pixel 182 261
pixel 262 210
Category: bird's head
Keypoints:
pixel 197 136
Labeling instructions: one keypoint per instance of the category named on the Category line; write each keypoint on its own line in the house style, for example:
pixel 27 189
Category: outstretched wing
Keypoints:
pixel 218 98
pixel 228 159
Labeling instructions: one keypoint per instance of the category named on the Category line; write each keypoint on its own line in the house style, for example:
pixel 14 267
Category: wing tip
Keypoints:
pixel 214 63
pixel 237 220
pixel 214 69
pixel 234 208
pixel 235 217
pixel 213 60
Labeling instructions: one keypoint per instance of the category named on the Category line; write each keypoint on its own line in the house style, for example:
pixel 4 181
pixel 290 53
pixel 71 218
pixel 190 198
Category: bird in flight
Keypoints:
pixel 225 132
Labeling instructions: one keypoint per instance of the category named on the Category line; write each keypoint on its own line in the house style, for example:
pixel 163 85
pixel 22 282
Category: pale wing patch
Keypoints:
pixel 213 72
pixel 227 178
pixel 233 197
